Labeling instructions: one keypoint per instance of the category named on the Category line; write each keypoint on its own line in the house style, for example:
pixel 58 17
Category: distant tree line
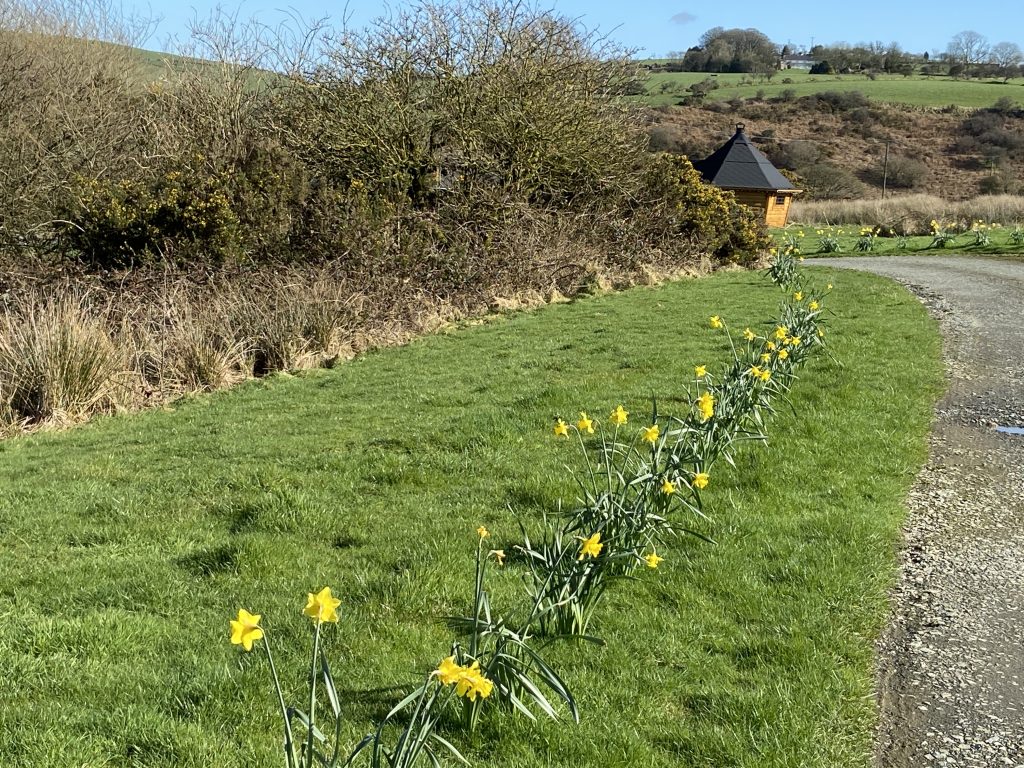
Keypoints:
pixel 732 50
pixel 968 54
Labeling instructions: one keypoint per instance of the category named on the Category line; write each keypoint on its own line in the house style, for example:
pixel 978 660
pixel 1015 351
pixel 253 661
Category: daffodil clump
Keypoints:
pixel 644 477
pixel 866 239
pixel 495 653
pixel 405 735
pixel 981 230
pixel 828 241
pixel 246 631
pixel 944 234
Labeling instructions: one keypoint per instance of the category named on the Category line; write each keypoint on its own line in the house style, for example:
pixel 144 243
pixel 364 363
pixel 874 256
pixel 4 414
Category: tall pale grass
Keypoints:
pixel 108 347
pixel 101 346
pixel 201 353
pixel 60 360
pixel 911 214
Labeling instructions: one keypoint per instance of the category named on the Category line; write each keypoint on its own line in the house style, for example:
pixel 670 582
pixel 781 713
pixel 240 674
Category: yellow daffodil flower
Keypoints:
pixel 783 354
pixel 468 681
pixel 448 671
pixel 619 416
pixel 650 435
pixel 771 346
pixel 706 406
pixel 716 321
pixel 591 546
pixel 585 424
pixel 499 555
pixel 754 371
pixel 794 342
pixel 781 332
pixel 482 687
pixel 701 480
pixel 749 335
pixel 482 532
pixel 828 287
pixel 472 683
pixel 765 375
pixel 798 296
pixel 561 429
pixel 813 306
pixel 322 606
pixel 653 559
pixel 668 487
pixel 700 371
pixel 245 630
pixel 766 357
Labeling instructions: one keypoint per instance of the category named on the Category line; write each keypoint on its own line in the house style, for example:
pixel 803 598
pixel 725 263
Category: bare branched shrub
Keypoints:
pixel 823 180
pixel 460 98
pixel 454 119
pixel 69 104
pixel 901 173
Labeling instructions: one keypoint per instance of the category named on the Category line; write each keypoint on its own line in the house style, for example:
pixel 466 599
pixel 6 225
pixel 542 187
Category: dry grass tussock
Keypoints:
pixel 61 359
pixel 911 214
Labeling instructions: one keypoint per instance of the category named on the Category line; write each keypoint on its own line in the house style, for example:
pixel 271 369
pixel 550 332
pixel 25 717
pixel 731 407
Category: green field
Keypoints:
pixel 917 90
pixel 128 543
pixel 810 240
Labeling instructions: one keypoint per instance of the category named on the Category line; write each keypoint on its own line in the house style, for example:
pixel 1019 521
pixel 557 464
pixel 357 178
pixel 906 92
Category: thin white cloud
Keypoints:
pixel 683 18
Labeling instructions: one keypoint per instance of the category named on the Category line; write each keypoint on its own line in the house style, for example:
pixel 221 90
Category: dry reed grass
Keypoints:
pixel 911 214
pixel 96 347
pixel 60 360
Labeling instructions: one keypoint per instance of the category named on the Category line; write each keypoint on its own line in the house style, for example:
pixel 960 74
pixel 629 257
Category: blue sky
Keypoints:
pixel 655 28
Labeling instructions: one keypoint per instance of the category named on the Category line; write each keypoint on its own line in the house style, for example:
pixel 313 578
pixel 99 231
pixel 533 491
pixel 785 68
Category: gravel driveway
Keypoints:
pixel 951 666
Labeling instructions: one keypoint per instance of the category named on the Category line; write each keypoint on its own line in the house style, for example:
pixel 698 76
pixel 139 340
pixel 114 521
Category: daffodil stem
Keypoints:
pixel 312 695
pixel 289 742
pixel 731 343
pixel 477 600
pixel 586 455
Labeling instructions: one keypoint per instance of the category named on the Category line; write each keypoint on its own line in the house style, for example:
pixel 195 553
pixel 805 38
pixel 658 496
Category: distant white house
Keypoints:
pixel 797 61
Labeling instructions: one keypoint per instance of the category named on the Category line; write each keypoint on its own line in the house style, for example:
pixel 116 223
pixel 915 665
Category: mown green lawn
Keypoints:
pixel 812 240
pixel 670 87
pixel 127 544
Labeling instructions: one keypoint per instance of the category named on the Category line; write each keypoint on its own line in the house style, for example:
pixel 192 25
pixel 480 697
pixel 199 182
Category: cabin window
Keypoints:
pixel 780 199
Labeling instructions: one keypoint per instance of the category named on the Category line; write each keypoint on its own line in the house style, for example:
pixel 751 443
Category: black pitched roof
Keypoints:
pixel 738 164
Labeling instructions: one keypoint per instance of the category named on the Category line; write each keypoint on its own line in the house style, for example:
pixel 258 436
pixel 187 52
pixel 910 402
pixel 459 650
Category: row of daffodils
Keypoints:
pixel 638 490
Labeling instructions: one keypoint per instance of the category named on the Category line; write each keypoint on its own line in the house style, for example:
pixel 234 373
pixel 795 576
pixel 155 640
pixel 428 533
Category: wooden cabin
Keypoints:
pixel 740 167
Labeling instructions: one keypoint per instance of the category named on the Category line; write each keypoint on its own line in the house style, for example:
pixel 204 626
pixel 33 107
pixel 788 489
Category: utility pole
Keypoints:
pixel 885 169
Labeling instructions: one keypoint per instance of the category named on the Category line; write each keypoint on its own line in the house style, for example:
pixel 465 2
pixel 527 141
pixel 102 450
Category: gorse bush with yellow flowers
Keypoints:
pixel 175 216
pixel 642 483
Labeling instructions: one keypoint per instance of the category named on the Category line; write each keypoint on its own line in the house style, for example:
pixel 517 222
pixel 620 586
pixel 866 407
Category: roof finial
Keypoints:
pixel 740 127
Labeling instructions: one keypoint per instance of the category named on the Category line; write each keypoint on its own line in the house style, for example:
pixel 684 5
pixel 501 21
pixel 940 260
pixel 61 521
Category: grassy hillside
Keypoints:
pixel 951 153
pixel 669 87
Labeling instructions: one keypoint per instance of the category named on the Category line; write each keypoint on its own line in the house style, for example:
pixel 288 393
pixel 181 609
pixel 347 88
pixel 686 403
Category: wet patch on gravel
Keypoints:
pixel 951 665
